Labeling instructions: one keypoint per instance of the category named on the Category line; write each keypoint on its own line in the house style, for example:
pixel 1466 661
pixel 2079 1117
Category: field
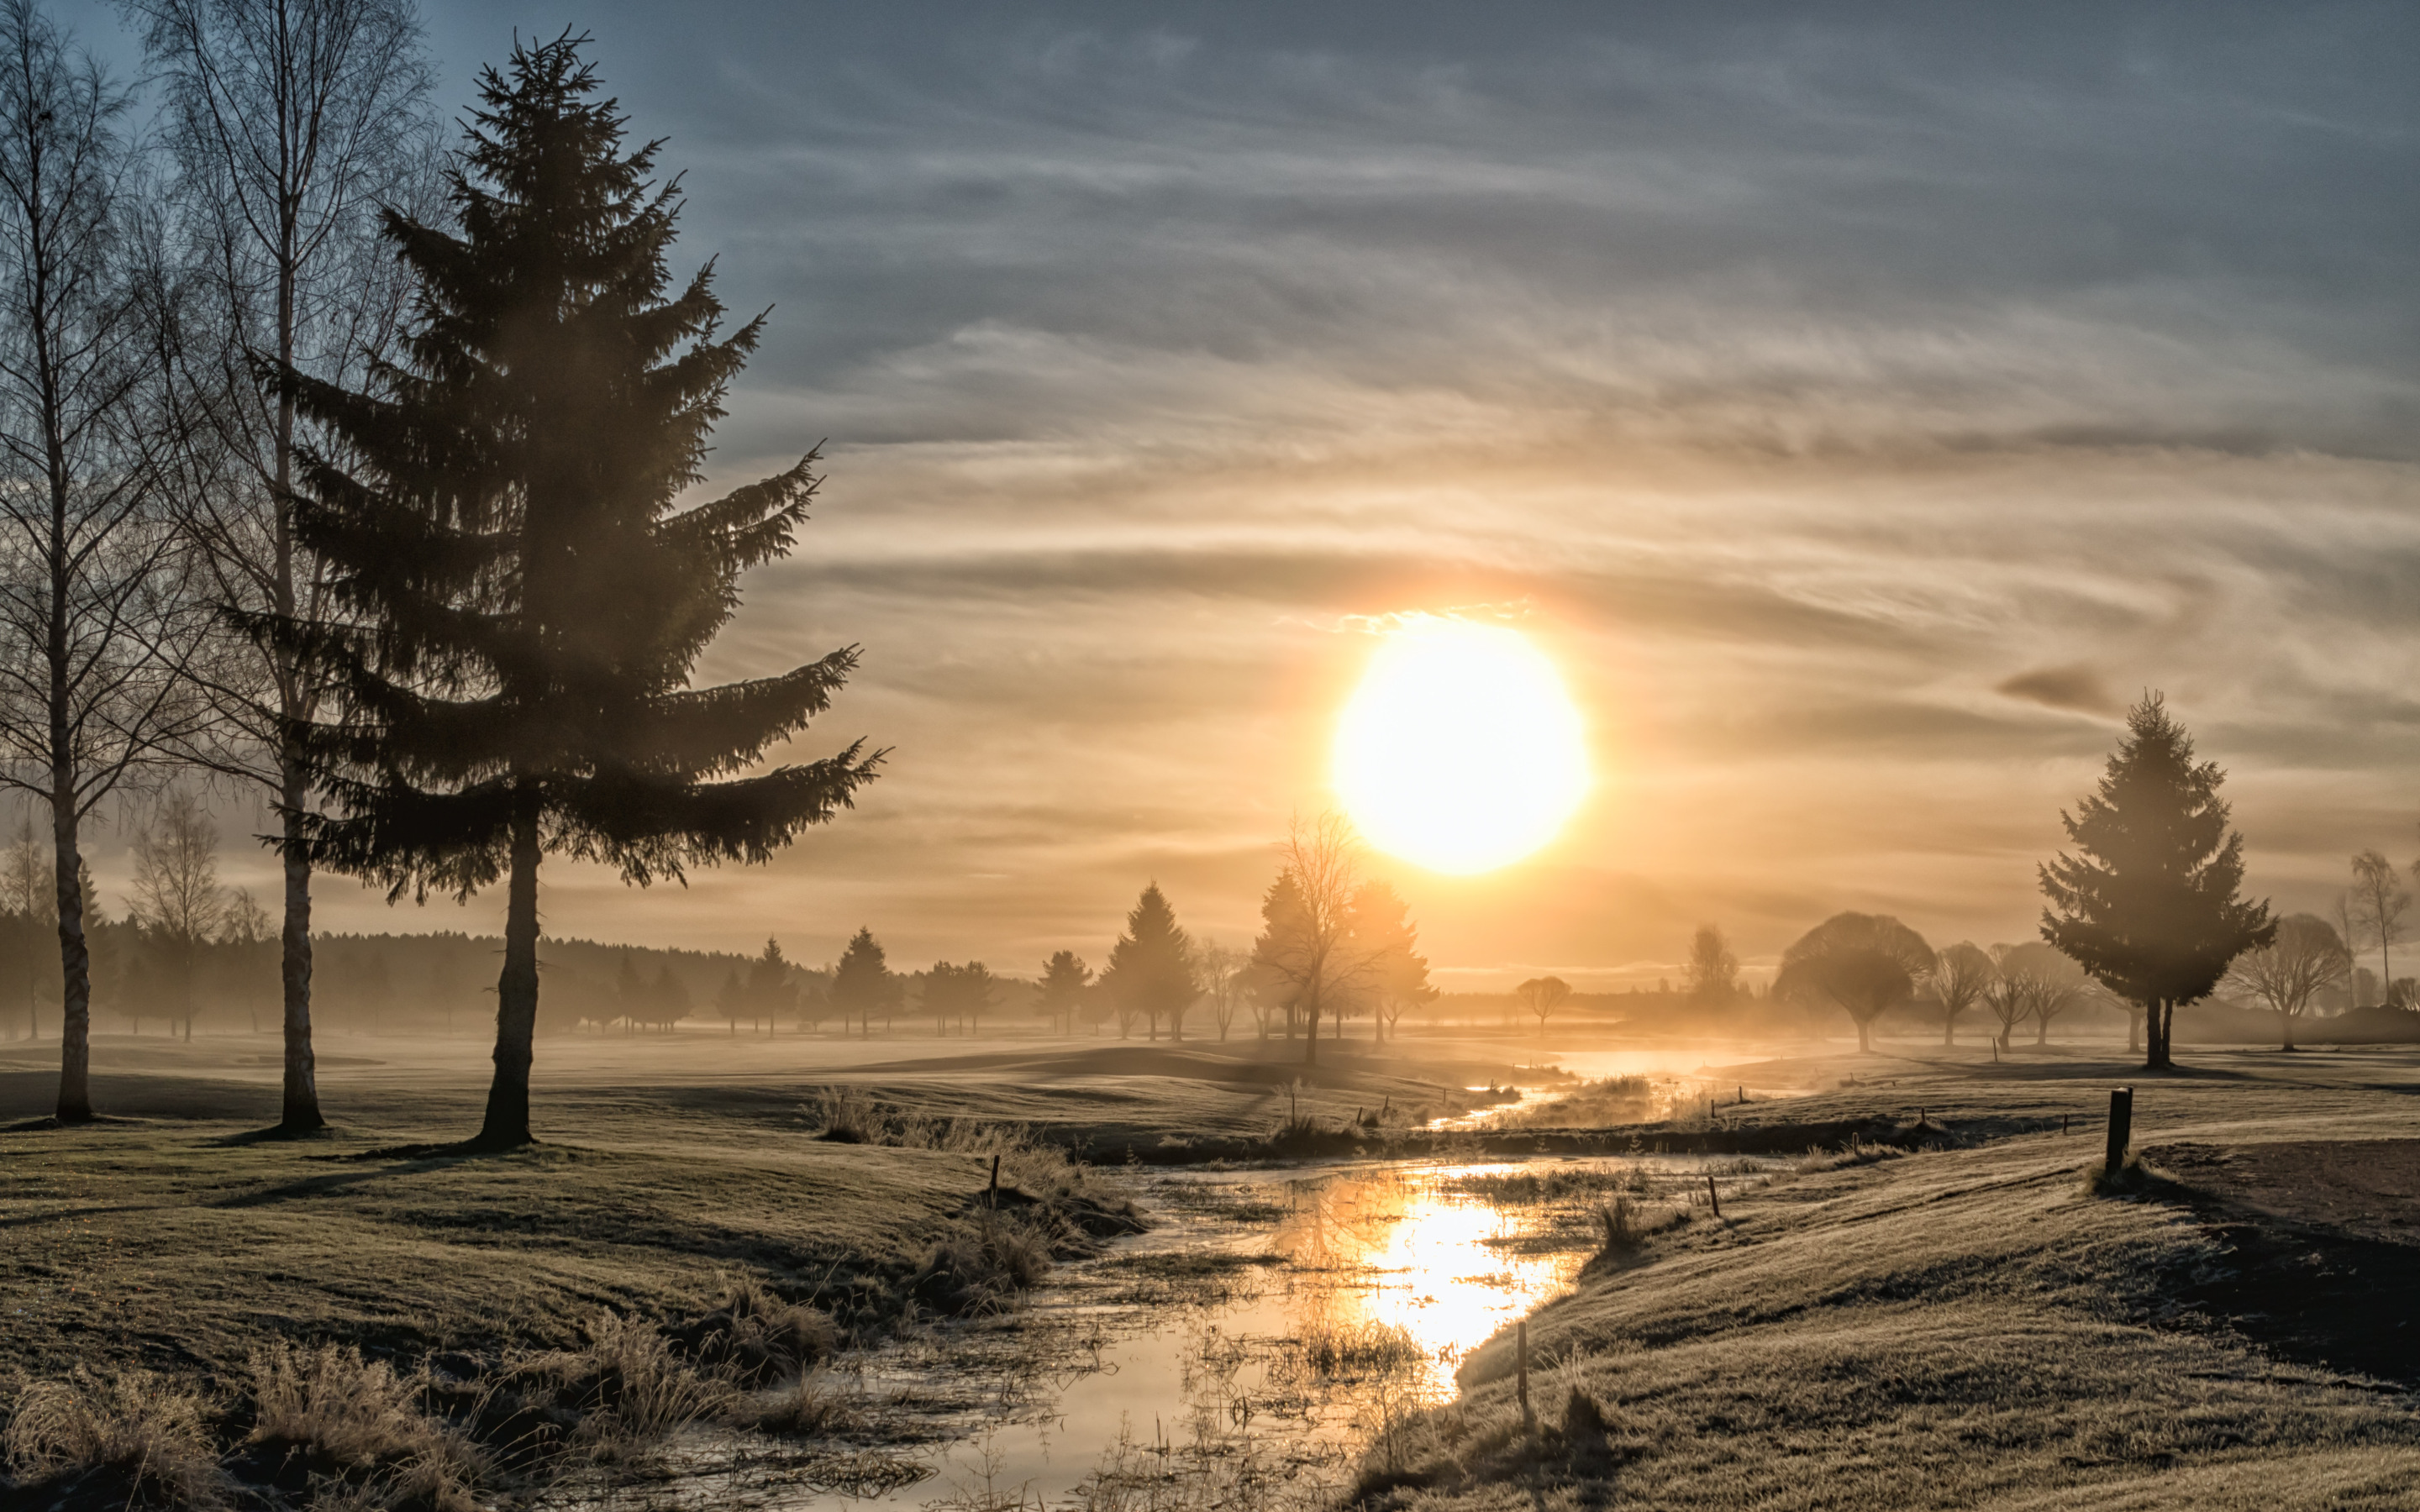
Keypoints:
pixel 1947 1317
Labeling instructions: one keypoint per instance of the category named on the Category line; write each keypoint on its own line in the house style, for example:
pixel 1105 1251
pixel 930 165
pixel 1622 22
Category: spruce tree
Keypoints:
pixel 1064 979
pixel 863 982
pixel 1398 974
pixel 1151 966
pixel 770 993
pixel 2147 903
pixel 524 598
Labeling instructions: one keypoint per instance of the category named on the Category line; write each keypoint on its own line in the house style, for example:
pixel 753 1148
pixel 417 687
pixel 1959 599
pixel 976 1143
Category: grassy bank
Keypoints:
pixel 1969 1327
pixel 573 1302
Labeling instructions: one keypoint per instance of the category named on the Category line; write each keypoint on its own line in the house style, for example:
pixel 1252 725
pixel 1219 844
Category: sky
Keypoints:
pixel 1860 404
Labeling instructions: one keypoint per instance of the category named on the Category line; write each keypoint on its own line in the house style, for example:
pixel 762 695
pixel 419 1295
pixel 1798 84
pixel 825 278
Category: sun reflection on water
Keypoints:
pixel 1446 1269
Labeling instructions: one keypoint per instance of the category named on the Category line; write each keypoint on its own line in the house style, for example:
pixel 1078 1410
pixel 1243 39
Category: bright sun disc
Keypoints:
pixel 1460 750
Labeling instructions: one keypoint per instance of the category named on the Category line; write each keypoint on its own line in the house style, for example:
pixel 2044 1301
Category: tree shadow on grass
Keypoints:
pixel 2304 1291
pixel 54 1122
pixel 317 1186
pixel 276 1133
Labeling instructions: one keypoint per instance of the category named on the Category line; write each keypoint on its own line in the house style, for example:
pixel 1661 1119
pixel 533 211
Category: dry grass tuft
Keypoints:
pixel 982 1264
pixel 1856 1153
pixel 332 1402
pixel 628 1388
pixel 1627 1226
pixel 1029 1164
pixel 141 1435
pixel 756 1337
pixel 2134 1179
pixel 809 1406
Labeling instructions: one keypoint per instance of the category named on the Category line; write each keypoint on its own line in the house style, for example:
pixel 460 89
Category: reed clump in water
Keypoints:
pixel 1364 1348
pixel 1561 1183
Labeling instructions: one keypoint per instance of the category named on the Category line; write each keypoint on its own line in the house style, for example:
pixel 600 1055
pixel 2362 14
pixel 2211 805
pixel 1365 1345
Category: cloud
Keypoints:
pixel 2077 687
pixel 1802 374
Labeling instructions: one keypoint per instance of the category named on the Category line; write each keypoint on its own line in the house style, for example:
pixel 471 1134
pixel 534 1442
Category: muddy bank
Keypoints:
pixel 1768 1136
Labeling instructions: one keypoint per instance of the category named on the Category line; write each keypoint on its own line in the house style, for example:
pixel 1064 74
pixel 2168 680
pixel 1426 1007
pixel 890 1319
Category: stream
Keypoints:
pixel 1270 1329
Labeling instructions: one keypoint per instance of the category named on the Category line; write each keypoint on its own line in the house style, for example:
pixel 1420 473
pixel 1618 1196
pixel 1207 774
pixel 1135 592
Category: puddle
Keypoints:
pixel 1249 1349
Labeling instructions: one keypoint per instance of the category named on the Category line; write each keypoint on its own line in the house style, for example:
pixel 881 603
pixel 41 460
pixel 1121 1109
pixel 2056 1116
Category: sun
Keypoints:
pixel 1461 750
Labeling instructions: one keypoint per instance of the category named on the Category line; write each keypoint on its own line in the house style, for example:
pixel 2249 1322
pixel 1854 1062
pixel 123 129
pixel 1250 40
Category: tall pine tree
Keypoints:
pixel 1151 966
pixel 2147 903
pixel 863 982
pixel 526 597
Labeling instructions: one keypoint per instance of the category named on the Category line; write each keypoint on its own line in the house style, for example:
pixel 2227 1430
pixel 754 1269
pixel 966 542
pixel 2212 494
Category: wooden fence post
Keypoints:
pixel 2121 1129
pixel 1528 1419
pixel 1714 1198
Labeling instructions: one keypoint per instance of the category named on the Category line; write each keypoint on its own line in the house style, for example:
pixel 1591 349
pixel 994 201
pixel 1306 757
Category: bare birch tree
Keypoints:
pixel 2379 901
pixel 92 653
pixel 294 124
pixel 1223 970
pixel 178 900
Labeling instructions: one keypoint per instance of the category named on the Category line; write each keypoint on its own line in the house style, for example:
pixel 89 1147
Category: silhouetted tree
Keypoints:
pixel 178 902
pixel 291 122
pixel 2010 995
pixel 958 992
pixel 667 998
pixel 863 982
pixel 731 1000
pixel 1862 963
pixel 1961 974
pixel 2031 982
pixel 1542 995
pixel 28 917
pixel 2058 984
pixel 1065 976
pixel 2378 904
pixel 96 631
pixel 2305 959
pixel 1151 965
pixel 1713 968
pixel 1307 945
pixel 1224 972
pixel 631 994
pixel 522 600
pixel 1276 990
pixel 2147 905
pixel 1396 977
pixel 771 993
